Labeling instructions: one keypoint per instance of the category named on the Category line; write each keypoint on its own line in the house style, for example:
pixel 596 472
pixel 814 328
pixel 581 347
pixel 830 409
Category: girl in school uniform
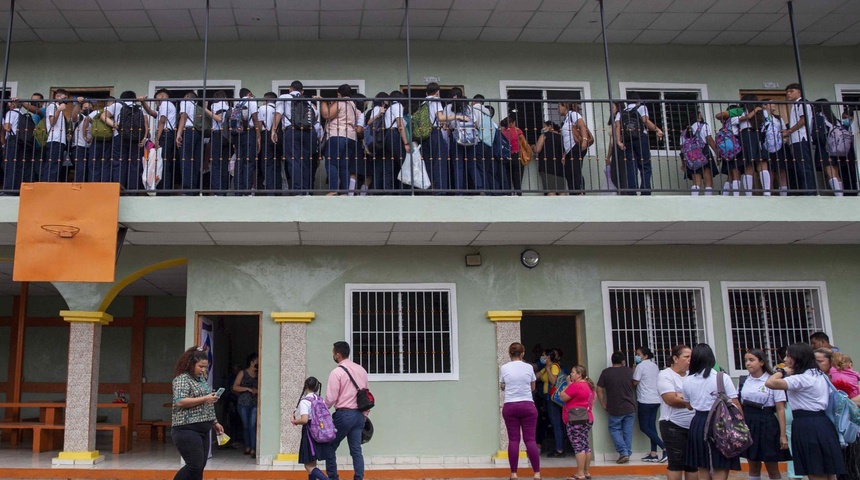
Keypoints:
pixel 704 175
pixel 309 450
pixel 764 412
pixel 816 451
pixel 700 393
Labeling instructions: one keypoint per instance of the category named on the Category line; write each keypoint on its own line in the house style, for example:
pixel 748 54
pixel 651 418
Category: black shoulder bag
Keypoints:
pixel 364 398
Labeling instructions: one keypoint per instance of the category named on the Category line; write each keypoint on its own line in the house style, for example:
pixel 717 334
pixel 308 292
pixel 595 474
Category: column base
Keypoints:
pixel 78 458
pixel 503 455
pixel 286 459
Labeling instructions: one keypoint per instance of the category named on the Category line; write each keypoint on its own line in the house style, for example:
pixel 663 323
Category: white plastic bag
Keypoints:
pixel 153 166
pixel 413 172
pixel 609 183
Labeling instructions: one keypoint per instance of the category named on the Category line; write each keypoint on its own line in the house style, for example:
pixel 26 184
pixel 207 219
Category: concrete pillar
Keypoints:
pixel 507 332
pixel 293 373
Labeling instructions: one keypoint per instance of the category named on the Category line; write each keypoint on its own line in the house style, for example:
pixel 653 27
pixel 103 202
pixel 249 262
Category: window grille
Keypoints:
pixel 770 318
pixel 658 318
pixel 404 332
pixel 672 118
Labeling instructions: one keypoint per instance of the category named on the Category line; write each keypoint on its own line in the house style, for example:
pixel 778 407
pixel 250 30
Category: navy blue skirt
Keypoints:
pixel 703 453
pixel 815 444
pixel 764 430
pixel 310 450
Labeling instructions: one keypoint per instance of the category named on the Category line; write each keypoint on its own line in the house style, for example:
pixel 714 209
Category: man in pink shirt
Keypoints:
pixel 340 393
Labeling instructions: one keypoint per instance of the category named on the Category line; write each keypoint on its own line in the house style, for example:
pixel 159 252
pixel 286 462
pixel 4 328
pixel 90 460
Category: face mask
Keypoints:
pixel 543 359
pixel 87 111
pixel 637 359
pixel 846 122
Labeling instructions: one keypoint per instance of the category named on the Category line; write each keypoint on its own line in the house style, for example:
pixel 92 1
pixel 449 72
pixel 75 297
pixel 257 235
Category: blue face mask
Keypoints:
pixel 846 122
pixel 637 359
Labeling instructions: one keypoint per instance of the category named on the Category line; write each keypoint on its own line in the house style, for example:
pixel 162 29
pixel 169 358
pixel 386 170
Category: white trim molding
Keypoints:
pixel 211 85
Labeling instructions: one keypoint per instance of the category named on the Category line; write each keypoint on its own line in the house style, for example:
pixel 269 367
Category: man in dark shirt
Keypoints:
pixel 618 399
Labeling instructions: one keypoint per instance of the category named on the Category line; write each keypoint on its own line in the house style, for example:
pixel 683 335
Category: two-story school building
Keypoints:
pixel 431 289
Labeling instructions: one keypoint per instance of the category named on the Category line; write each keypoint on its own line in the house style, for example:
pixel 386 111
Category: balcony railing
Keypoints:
pixel 402 146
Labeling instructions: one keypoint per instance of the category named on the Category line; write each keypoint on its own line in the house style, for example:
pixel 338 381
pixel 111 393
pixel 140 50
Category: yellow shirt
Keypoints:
pixel 544 376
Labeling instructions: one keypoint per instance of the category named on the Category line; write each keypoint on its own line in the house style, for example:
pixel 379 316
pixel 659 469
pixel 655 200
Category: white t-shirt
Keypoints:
pixel 435 105
pixel 797 110
pixel 755 391
pixel 646 374
pixel 249 111
pixel 304 407
pixel 80 137
pixel 517 377
pixel 218 108
pixel 701 392
pixel 808 391
pixel 567 129
pixel 643 112
pixel 395 111
pixel 667 382
pixel 11 119
pixel 57 131
pixel 266 115
pixel 187 107
pixel 115 111
pixel 168 110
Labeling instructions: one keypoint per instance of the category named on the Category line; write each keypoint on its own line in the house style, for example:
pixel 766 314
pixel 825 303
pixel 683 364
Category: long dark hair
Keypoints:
pixel 803 356
pixel 459 103
pixel 822 106
pixel 311 385
pixel 188 360
pixel 702 360
pixel 760 355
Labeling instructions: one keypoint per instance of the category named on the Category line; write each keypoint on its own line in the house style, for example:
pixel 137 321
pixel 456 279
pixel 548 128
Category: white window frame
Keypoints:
pixel 277 85
pixel 703 287
pixel 821 286
pixel 841 89
pixel 701 88
pixel 211 85
pixel 409 287
pixel 13 88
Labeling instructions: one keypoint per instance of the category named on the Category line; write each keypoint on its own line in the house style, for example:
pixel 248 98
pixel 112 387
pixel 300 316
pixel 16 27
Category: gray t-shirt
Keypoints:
pixel 620 397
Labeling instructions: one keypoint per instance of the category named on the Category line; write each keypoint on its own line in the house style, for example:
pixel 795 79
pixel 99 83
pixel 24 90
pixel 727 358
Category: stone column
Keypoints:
pixel 293 372
pixel 85 335
pixel 507 332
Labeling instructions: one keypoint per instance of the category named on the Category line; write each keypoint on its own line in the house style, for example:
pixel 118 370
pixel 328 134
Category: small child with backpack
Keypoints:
pixel 317 428
pixel 776 157
pixel 824 127
pixel 699 165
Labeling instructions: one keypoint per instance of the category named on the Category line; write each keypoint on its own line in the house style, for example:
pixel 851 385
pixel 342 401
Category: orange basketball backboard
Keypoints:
pixel 66 232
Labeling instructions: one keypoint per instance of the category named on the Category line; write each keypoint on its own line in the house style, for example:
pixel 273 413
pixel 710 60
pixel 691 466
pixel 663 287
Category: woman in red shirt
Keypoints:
pixel 512 170
pixel 579 396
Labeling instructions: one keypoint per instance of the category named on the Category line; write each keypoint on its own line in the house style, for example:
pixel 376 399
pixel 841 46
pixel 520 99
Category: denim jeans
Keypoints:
pixel 298 149
pixel 648 424
pixel 125 165
pixel 52 156
pixel 338 153
pixel 248 414
pixel 554 411
pixel 621 431
pixel 349 424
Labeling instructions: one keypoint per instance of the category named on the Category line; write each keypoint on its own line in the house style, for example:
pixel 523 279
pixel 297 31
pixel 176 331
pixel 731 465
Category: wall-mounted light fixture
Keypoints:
pixel 473 260
pixel 530 258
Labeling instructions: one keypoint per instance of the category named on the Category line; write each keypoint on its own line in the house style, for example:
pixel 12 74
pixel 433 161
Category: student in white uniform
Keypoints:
pixel 165 137
pixel 127 146
pixel 13 169
pixel 299 137
pixel 270 168
pixel 188 141
pixel 81 139
pixel 747 126
pixel 700 393
pixel 645 380
pixel 219 145
pixel 54 151
pixel 675 418
pixel 247 145
pixel 703 178
pixel 631 137
pixel 434 149
pixel 799 151
pixel 573 128
pixel 764 413
pixel 815 443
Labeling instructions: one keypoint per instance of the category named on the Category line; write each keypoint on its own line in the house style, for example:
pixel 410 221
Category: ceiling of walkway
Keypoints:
pixel 684 22
pixel 166 282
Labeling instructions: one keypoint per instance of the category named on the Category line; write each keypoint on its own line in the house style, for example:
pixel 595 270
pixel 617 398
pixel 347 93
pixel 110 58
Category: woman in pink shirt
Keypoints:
pixel 512 170
pixel 579 395
pixel 842 376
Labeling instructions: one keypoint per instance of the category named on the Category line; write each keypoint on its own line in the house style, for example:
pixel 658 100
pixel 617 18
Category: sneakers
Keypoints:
pixel 651 459
pixel 664 458
pixel 623 459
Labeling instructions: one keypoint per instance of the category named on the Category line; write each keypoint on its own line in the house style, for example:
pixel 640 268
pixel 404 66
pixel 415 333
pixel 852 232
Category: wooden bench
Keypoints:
pixel 159 430
pixel 42 434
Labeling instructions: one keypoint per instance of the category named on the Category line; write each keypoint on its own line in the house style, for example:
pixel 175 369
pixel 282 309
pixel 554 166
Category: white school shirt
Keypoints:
pixel 80 137
pixel 567 130
pixel 115 110
pixel 266 115
pixel 646 374
pixel 286 110
pixel 305 406
pixel 395 111
pixel 251 110
pixel 168 110
pixel 517 377
pixel 643 112
pixel 668 382
pixel 218 108
pixel 701 392
pixel 435 105
pixel 808 391
pixel 57 132
pixel 797 110
pixel 187 107
pixel 747 124
pixel 12 117
pixel 755 391
pixel 359 119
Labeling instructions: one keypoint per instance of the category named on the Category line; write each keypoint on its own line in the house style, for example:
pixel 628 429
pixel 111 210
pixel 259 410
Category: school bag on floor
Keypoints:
pixel 692 149
pixel 844 415
pixel 725 424
pixel 321 426
pixel 728 144
pixel 839 141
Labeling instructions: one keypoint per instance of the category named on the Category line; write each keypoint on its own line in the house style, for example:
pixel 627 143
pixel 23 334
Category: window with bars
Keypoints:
pixel 658 318
pixel 770 318
pixel 531 115
pixel 404 332
pixel 671 117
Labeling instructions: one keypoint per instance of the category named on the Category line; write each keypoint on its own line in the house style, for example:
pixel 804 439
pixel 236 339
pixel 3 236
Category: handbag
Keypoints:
pixel 526 152
pixel 561 384
pixel 364 399
pixel 577 416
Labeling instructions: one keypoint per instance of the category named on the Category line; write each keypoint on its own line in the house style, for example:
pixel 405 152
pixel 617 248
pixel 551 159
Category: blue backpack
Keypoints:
pixel 233 122
pixel 844 415
pixel 501 146
pixel 728 144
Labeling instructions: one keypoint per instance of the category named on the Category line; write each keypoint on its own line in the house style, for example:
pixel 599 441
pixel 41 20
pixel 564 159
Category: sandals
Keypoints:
pixel 574 477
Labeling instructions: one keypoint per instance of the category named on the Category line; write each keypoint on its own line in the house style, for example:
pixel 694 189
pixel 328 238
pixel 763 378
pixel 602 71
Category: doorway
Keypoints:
pixel 542 330
pixel 233 340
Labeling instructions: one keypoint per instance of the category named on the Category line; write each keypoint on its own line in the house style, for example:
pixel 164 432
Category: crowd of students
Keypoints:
pixel 254 144
pixel 773 401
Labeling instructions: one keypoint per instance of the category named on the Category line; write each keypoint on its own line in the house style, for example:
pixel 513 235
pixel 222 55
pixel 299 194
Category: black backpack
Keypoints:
pixel 374 138
pixel 132 124
pixel 301 114
pixel 819 131
pixel 631 123
pixel 26 128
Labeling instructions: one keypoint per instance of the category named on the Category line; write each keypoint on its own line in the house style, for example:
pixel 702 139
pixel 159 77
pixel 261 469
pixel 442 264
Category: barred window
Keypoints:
pixel 769 317
pixel 405 331
pixel 658 316
pixel 671 117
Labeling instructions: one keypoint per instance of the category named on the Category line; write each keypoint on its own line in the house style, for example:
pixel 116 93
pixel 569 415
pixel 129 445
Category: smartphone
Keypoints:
pixel 219 391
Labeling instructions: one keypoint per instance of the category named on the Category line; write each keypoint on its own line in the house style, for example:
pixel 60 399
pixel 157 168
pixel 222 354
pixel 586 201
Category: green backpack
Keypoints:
pixel 422 124
pixel 201 121
pixel 41 132
pixel 101 130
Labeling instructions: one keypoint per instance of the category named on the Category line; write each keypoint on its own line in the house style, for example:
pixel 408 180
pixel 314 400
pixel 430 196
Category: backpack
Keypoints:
pixel 844 415
pixel 465 133
pixel 40 133
pixel 233 123
pixel 692 149
pixel 839 141
pixel 728 144
pixel 771 136
pixel 374 134
pixel 100 129
pixel 301 114
pixel 486 129
pixel 422 124
pixel 820 130
pixel 501 146
pixel 321 426
pixel 26 127
pixel 631 123
pixel 132 124
pixel 725 425
pixel 201 122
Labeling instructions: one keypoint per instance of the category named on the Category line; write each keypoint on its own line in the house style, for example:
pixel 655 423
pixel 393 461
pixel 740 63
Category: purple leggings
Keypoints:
pixel 521 415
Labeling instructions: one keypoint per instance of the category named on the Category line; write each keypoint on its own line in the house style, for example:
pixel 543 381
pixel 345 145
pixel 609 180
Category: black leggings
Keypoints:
pixel 193 444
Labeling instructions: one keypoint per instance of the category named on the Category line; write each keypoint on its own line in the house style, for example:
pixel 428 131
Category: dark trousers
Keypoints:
pixel 125 162
pixel 219 169
pixel 192 441
pixel 476 174
pixel 15 164
pixel 190 164
pixel 349 424
pixel 386 164
pixel 434 151
pixel 637 158
pixel 648 424
pixel 338 154
pixel 53 154
pixel 245 170
pixel 100 155
pixel 573 169
pixel 80 155
pixel 512 173
pixel 298 149
pixel 801 171
pixel 270 166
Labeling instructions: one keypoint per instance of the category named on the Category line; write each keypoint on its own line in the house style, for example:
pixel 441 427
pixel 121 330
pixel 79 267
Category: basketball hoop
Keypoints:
pixel 62 231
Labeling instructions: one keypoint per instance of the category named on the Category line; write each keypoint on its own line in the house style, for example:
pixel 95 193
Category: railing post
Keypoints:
pixel 796 49
pixel 8 47
pixel 205 76
pixel 620 180
pixel 409 79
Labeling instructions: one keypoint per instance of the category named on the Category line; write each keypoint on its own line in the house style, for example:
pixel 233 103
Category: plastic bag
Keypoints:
pixel 153 166
pixel 413 172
